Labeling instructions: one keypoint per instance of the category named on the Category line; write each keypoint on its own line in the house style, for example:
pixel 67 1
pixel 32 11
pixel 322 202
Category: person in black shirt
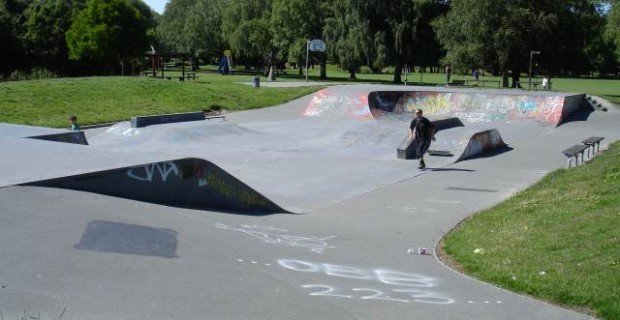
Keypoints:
pixel 422 131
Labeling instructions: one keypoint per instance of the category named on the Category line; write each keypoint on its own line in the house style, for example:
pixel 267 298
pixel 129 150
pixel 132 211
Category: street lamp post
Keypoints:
pixel 307 54
pixel 532 53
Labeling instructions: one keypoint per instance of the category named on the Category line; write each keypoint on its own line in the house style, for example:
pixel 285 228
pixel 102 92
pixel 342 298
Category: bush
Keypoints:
pixel 18 75
pixel 35 74
pixel 41 73
pixel 365 69
pixel 387 70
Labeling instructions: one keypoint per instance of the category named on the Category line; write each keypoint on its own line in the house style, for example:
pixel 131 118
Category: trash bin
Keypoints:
pixel 256 82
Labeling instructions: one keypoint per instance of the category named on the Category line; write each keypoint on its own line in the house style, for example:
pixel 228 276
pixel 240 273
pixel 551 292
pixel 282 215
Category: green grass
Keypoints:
pixel 608 89
pixel 107 99
pixel 567 225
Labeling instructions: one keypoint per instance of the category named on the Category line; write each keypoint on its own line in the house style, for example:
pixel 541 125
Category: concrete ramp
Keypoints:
pixel 75 137
pixel 469 105
pixel 480 106
pixel 469 146
pixel 189 183
pixel 479 143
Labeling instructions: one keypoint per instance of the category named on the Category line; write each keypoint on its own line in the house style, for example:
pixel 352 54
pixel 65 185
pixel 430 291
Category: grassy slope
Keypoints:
pixel 106 99
pixel 567 225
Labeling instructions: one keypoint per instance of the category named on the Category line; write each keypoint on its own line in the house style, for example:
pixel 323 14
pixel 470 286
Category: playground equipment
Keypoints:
pixel 158 65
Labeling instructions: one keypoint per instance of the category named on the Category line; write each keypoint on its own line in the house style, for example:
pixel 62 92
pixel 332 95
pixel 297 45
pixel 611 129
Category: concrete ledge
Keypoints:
pixel 76 137
pixel 448 123
pixel 143 121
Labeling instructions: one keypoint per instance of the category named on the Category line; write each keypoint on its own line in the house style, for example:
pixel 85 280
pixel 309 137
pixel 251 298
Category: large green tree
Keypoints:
pixel 346 33
pixel 246 28
pixel 13 51
pixel 293 23
pixel 108 32
pixel 400 31
pixel 500 35
pixel 46 22
pixel 192 26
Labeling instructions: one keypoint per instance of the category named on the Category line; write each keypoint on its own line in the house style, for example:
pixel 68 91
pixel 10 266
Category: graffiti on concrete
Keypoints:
pixel 189 182
pixel 471 107
pixel 328 103
pixel 151 171
pixel 273 235
pixel 388 285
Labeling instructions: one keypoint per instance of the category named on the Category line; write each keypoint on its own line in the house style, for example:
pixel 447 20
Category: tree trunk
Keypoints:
pixel 505 80
pixel 352 74
pixel 516 78
pixel 300 68
pixel 397 72
pixel 323 67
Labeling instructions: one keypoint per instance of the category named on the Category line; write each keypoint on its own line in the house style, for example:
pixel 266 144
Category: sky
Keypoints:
pixel 157 5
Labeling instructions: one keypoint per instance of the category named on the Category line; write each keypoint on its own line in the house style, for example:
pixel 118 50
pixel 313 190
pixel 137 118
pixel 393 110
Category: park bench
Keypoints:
pixel 188 75
pixel 536 84
pixel 594 143
pixel 574 152
pixel 477 82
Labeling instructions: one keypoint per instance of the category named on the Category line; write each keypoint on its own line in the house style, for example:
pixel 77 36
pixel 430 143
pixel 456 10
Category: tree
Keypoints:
pixel 46 22
pixel 498 34
pixel 192 26
pixel 293 23
pixel 613 26
pixel 400 31
pixel 106 32
pixel 245 26
pixel 346 34
pixel 13 53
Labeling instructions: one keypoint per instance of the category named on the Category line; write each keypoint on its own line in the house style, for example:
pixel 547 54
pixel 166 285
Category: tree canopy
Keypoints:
pixel 107 31
pixel 575 37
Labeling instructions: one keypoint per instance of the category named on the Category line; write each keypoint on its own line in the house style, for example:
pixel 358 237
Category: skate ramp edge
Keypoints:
pixel 480 106
pixel 143 121
pixel 479 143
pixel 188 183
pixel 75 137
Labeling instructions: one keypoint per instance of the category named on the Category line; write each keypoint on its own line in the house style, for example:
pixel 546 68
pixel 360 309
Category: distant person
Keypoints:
pixel 448 74
pixel 545 83
pixel 422 132
pixel 476 75
pixel 74 125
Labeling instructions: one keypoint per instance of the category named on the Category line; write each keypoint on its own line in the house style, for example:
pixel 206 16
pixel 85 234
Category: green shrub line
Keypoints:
pixel 558 240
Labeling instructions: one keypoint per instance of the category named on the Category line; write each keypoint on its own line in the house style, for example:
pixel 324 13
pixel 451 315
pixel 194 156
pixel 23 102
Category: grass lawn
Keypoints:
pixel 558 240
pixel 608 89
pixel 106 99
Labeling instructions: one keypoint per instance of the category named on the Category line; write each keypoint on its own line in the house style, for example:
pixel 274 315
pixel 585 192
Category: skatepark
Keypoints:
pixel 297 211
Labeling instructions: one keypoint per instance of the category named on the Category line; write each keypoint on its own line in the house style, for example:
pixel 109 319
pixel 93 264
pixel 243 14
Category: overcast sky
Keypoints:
pixel 157 5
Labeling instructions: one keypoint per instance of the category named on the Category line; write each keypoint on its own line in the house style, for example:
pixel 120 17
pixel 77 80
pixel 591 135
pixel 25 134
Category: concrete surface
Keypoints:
pixel 100 257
